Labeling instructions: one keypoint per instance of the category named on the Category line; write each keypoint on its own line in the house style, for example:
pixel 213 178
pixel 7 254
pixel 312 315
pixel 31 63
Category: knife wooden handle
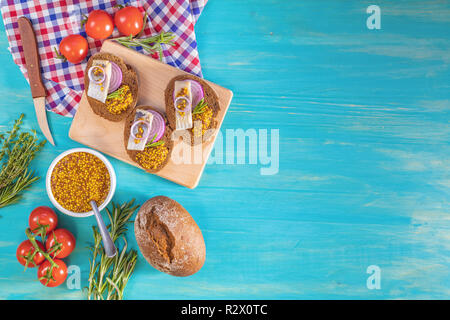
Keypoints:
pixel 31 53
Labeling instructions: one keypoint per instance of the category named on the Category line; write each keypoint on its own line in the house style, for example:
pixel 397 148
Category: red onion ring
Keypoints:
pixel 158 126
pixel 188 104
pixel 146 129
pixel 197 92
pixel 92 76
pixel 116 78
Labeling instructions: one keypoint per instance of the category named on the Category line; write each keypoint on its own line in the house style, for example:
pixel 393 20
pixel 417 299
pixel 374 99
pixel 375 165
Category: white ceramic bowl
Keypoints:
pixel 112 176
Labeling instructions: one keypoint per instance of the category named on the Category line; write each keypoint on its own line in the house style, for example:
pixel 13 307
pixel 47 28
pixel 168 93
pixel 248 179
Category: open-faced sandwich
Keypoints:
pixel 192 105
pixel 148 138
pixel 111 86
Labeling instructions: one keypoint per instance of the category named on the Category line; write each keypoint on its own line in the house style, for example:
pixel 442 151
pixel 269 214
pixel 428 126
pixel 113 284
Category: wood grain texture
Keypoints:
pixel 107 136
pixel 364 172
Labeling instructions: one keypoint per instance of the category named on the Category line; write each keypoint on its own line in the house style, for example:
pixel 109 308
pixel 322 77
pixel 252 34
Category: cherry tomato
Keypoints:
pixel 26 249
pixel 99 25
pixel 74 48
pixel 61 242
pixel 59 273
pixel 42 217
pixel 129 21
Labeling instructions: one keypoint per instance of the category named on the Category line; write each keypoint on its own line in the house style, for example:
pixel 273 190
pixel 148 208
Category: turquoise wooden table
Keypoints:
pixel 364 167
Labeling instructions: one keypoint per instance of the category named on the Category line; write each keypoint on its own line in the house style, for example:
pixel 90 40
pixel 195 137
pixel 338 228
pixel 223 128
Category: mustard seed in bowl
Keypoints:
pixel 78 178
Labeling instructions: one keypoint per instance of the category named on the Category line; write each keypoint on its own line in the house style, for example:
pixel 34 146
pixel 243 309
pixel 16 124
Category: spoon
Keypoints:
pixel 108 244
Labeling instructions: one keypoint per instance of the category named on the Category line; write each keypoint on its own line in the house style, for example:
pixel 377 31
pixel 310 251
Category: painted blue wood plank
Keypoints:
pixel 363 117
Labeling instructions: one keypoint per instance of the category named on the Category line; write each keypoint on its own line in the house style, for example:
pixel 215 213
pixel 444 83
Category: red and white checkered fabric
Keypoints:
pixel 54 20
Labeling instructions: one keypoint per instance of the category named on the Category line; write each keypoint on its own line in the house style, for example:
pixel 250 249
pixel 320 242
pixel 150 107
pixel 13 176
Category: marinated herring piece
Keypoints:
pixel 182 104
pixel 99 75
pixel 140 130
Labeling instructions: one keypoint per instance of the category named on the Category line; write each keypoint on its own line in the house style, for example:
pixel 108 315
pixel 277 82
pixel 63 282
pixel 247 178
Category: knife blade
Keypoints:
pixel 32 64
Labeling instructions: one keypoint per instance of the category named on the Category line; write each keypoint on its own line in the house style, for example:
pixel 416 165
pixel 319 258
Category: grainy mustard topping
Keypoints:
pixel 139 134
pixel 182 92
pixel 121 103
pixel 152 157
pixel 206 118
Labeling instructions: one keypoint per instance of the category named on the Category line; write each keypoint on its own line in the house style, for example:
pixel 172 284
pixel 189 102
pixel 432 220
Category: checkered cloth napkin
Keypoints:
pixel 54 20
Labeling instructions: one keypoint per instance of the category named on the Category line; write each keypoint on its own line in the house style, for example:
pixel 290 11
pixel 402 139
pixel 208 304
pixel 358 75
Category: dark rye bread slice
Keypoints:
pixel 129 77
pixel 168 142
pixel 211 99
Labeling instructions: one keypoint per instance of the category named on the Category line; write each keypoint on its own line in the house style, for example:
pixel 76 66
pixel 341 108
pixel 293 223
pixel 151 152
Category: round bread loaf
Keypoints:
pixel 169 238
pixel 129 77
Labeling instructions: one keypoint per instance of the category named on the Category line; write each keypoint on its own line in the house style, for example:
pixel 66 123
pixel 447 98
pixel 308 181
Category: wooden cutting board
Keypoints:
pixel 107 136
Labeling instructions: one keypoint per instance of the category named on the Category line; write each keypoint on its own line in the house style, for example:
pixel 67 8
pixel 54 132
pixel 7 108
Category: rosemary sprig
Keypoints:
pixel 16 153
pixel 152 144
pixel 11 193
pixel 150 44
pixel 200 107
pixel 116 94
pixel 155 144
pixel 108 277
pixel 123 266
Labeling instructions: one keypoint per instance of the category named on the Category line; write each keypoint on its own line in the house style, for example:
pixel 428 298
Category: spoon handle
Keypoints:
pixel 108 244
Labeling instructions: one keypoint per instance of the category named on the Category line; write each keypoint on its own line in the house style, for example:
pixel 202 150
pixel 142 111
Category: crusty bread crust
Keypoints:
pixel 211 99
pixel 168 142
pixel 129 77
pixel 168 237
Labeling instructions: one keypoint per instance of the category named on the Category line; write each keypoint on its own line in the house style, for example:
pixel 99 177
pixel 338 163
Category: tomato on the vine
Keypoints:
pixel 58 274
pixel 129 21
pixel 60 243
pixel 24 252
pixel 99 25
pixel 42 218
pixel 74 48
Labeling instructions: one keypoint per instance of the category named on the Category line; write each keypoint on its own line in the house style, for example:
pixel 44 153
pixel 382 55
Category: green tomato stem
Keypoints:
pixel 32 239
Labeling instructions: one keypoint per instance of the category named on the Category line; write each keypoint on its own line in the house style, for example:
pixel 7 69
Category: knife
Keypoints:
pixel 32 64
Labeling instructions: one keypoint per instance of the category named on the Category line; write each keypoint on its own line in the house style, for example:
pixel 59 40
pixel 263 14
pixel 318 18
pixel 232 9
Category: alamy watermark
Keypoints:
pixel 374 280
pixel 252 146
pixel 73 281
pixel 374 20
